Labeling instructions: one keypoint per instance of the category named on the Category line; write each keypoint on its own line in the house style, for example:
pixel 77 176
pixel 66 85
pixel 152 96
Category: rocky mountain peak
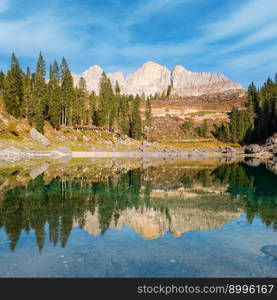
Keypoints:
pixel 153 78
pixel 180 69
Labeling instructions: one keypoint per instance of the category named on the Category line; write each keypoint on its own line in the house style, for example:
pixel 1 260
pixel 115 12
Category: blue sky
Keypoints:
pixel 234 37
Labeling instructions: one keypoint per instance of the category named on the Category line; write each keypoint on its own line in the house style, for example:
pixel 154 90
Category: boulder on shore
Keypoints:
pixel 229 150
pixel 271 140
pixel 252 149
pixel 35 135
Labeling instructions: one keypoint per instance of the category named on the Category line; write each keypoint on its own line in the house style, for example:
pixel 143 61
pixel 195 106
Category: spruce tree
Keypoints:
pixel 64 67
pixel 93 99
pixel 258 121
pixel 105 102
pixel 114 117
pixel 148 113
pixel 124 115
pixel 13 88
pixel 135 128
pixel 27 107
pixel 67 94
pixel 54 95
pixel 79 104
pixel 203 130
pixel 40 94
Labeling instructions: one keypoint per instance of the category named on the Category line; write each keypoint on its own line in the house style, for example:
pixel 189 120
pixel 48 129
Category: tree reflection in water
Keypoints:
pixel 62 204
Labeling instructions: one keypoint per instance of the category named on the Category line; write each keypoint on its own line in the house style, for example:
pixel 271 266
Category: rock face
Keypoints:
pixel 119 77
pixel 35 135
pixel 92 77
pixel 187 83
pixel 152 78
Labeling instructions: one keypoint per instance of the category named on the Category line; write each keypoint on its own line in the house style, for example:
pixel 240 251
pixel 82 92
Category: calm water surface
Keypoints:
pixel 138 219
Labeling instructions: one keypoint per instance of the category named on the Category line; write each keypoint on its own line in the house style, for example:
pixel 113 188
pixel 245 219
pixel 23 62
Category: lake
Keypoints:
pixel 138 218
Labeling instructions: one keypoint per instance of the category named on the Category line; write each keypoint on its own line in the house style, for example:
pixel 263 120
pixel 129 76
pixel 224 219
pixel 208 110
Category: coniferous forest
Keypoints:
pixel 257 121
pixel 54 98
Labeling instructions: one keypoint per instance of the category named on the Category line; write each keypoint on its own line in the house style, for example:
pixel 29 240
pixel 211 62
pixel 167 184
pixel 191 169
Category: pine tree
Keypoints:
pixel 258 121
pixel 135 128
pixel 40 94
pixel 79 105
pixel 124 115
pixel 93 99
pixel 114 117
pixel 54 96
pixel 64 67
pixel 13 88
pixel 148 113
pixel 203 130
pixel 105 102
pixel 27 106
pixel 67 94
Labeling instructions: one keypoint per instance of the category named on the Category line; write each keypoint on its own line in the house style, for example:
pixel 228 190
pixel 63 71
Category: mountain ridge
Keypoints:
pixel 152 78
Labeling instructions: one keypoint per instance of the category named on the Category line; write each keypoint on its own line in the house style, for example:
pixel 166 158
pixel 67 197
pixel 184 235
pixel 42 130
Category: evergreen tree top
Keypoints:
pixel 82 84
pixel 64 67
pixel 40 71
pixel 54 70
pixel 14 61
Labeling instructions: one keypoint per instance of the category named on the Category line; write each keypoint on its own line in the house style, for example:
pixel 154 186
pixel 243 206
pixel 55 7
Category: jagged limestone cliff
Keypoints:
pixel 152 78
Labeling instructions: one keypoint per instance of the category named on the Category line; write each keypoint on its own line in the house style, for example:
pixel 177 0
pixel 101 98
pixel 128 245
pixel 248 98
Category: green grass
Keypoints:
pixel 198 143
pixel 203 113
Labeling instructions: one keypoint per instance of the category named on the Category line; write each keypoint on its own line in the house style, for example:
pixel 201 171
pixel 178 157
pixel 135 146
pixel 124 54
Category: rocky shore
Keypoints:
pixel 148 150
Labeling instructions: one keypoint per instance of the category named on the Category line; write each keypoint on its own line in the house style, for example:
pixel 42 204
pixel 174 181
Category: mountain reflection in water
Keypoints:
pixel 152 200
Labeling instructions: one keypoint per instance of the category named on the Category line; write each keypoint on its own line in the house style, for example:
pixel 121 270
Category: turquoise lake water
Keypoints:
pixel 118 219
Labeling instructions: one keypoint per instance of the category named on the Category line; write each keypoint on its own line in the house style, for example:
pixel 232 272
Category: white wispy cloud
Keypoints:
pixel 237 39
pixel 29 35
pixel 145 9
pixel 244 18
